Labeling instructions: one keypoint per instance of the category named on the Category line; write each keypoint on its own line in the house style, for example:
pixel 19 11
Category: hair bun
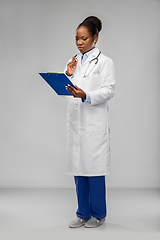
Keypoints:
pixel 95 21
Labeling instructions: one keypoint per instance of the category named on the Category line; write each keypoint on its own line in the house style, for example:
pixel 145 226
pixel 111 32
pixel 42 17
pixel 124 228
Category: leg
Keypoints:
pixel 82 190
pixel 97 190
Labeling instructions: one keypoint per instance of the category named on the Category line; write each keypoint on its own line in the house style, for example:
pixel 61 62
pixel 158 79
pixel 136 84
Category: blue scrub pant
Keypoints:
pixel 91 197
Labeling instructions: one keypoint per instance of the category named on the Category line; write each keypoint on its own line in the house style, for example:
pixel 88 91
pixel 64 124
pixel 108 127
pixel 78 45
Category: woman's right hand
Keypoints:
pixel 71 66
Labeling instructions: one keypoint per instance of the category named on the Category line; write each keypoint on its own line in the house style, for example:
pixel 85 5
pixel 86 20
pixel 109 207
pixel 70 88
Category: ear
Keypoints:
pixel 95 38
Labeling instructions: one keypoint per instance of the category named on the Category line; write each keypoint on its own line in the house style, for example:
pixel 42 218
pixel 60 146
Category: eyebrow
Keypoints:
pixel 81 36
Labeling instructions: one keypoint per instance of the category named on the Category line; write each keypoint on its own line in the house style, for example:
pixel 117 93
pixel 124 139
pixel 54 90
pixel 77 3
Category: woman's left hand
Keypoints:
pixel 77 93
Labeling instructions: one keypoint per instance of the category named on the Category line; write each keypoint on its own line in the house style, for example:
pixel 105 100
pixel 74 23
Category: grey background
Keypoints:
pixel 38 36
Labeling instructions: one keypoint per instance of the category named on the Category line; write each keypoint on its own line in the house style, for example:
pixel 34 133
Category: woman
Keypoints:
pixel 88 151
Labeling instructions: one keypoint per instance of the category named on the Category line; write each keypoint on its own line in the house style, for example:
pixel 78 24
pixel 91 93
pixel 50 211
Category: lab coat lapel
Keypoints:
pixel 79 59
pixel 93 55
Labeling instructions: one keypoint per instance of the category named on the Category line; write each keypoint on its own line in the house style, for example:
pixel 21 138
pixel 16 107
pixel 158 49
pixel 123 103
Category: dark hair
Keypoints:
pixel 93 24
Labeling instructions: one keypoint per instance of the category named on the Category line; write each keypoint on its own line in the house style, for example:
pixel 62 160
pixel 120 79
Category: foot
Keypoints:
pixel 94 222
pixel 78 222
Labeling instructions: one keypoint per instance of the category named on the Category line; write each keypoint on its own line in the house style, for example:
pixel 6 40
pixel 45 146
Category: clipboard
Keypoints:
pixel 58 82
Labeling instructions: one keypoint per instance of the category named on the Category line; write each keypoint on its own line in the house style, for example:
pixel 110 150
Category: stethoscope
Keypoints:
pixel 95 63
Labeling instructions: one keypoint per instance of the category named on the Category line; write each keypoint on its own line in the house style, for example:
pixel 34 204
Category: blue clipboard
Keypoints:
pixel 58 81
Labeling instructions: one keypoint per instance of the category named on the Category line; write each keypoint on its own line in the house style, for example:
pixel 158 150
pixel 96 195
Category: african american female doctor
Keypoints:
pixel 88 148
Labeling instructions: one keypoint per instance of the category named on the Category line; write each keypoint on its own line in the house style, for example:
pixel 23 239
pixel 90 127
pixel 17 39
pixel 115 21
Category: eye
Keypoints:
pixel 84 39
pixel 76 38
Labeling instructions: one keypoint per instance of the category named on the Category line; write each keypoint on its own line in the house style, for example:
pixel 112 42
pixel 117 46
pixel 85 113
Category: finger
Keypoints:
pixel 74 59
pixel 77 87
pixel 73 66
pixel 74 63
pixel 71 90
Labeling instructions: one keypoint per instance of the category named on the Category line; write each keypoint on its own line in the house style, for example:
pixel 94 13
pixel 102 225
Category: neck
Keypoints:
pixel 88 50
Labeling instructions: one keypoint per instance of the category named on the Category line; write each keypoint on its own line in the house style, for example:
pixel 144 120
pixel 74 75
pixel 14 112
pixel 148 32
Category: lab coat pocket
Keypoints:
pixel 92 82
pixel 97 118
pixel 95 75
pixel 73 112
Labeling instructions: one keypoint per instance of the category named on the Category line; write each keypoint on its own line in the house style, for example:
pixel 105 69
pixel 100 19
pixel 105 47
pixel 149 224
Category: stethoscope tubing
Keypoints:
pixel 93 58
pixel 96 58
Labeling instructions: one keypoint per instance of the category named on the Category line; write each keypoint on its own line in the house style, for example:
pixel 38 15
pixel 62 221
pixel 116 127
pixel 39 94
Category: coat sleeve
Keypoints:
pixel 107 79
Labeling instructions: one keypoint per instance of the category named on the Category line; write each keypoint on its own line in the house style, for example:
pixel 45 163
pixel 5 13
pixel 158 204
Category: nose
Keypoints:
pixel 79 42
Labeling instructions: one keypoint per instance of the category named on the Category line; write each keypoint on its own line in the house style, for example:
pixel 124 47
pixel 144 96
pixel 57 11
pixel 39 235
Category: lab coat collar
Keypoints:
pixel 93 55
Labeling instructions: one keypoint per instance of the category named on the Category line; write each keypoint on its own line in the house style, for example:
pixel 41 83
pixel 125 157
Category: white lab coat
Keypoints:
pixel 88 141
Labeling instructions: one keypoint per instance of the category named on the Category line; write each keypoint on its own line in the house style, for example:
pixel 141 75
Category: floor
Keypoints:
pixel 45 214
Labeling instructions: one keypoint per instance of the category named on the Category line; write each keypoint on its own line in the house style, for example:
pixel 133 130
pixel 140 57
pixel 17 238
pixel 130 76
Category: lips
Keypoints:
pixel 80 48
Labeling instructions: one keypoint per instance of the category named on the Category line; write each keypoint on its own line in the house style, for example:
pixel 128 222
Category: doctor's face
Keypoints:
pixel 84 39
